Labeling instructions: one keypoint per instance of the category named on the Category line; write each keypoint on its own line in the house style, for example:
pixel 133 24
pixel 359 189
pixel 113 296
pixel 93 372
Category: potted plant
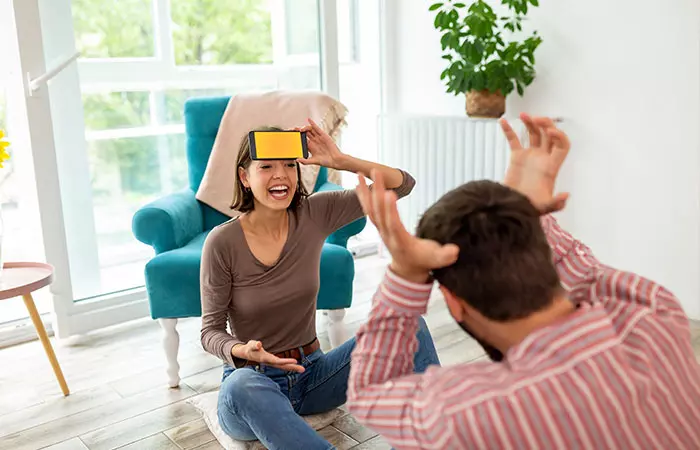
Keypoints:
pixel 481 62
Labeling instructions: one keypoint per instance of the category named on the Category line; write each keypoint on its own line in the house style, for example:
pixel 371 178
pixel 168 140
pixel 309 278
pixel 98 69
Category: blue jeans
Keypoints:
pixel 266 403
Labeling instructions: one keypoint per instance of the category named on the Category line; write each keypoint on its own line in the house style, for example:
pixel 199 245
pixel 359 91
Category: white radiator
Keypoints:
pixel 441 153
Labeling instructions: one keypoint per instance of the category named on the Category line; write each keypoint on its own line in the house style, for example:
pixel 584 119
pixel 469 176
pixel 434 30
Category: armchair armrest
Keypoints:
pixel 169 222
pixel 341 236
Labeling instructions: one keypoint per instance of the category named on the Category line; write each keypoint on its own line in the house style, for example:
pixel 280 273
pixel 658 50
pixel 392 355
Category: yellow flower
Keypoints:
pixel 4 156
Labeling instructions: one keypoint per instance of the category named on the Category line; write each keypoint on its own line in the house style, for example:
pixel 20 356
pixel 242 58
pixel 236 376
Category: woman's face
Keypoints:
pixel 273 182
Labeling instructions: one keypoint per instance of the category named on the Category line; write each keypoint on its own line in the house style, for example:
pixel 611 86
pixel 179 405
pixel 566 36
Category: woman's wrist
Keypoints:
pixel 237 351
pixel 344 162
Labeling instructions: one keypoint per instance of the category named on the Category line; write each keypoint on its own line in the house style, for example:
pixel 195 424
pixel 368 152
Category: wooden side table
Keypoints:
pixel 20 279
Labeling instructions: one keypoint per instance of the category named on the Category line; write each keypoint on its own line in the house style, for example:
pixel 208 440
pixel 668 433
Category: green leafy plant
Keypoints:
pixel 474 44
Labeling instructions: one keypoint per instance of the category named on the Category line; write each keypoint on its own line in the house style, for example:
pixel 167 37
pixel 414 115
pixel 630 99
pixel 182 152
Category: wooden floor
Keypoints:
pixel 118 394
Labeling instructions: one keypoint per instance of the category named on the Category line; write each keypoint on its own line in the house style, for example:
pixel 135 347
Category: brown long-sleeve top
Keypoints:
pixel 276 304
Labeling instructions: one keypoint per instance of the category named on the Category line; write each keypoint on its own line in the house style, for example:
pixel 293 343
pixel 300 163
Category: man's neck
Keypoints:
pixel 514 332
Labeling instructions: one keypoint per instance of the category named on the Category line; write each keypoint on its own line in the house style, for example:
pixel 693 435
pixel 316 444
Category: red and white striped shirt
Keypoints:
pixel 618 373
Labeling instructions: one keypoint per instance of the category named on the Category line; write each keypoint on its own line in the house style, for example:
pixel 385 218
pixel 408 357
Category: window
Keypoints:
pixel 135 77
pixel 116 116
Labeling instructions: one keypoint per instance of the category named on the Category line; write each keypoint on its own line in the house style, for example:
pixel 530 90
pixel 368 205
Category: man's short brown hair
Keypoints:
pixel 505 268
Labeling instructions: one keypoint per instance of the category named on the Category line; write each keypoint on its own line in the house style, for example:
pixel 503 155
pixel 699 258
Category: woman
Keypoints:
pixel 260 275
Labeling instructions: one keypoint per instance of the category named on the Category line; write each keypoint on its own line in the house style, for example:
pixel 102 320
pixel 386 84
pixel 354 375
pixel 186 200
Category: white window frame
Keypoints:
pixel 56 135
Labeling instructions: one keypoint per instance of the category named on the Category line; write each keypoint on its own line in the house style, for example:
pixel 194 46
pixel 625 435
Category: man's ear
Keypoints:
pixel 454 304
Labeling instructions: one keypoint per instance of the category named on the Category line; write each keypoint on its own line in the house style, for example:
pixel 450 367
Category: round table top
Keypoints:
pixel 21 278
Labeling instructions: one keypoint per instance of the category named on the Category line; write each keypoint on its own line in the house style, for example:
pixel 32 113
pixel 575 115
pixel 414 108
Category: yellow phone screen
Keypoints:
pixel 277 144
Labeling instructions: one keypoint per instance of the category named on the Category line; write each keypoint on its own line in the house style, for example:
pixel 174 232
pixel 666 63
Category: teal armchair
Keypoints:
pixel 177 225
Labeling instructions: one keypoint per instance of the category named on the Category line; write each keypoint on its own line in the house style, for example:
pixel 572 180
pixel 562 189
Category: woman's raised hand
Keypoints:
pixel 322 148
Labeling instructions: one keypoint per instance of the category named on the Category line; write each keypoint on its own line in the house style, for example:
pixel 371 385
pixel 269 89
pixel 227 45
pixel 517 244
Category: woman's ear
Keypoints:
pixel 243 176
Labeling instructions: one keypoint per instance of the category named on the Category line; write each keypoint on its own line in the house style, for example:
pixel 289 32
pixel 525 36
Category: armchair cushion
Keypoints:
pixel 169 222
pixel 337 274
pixel 172 281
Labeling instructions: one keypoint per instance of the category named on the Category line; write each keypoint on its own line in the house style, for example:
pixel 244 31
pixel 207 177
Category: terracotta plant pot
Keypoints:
pixel 485 104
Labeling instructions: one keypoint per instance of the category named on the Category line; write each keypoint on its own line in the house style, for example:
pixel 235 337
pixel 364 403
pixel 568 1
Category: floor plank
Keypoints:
pixel 348 425
pixel 156 442
pixel 376 443
pixel 206 381
pixel 55 409
pixel 213 445
pixel 191 435
pixel 140 427
pixel 71 444
pixel 93 419
pixel 337 438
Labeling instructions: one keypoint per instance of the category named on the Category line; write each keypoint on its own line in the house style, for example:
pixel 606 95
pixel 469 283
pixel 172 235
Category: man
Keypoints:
pixel 584 356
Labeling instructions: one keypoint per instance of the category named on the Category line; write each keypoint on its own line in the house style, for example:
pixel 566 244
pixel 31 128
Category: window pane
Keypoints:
pixel 175 101
pixel 221 32
pixel 126 174
pixel 114 28
pixel 104 111
pixel 302 26
pixel 348 31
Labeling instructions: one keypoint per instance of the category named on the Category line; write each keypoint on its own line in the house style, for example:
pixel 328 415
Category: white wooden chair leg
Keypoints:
pixel 171 345
pixel 337 333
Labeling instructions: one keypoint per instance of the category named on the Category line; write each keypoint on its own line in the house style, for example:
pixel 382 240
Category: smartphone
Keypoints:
pixel 278 145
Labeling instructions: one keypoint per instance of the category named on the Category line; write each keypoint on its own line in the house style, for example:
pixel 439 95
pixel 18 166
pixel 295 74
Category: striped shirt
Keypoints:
pixel 617 373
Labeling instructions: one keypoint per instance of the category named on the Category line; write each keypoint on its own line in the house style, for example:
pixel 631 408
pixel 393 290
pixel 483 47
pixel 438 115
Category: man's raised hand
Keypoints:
pixel 413 258
pixel 533 171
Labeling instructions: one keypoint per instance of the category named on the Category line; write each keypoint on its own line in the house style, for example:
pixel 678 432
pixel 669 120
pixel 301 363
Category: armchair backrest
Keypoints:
pixel 202 119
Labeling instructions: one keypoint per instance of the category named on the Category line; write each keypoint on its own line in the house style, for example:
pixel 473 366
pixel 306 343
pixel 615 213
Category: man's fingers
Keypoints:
pixel 446 256
pixel 511 136
pixel 534 133
pixel 365 197
pixel 545 124
pixel 378 200
pixel 560 145
pixel 392 221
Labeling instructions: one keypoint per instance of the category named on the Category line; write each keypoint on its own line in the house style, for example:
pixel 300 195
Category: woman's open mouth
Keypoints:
pixel 279 192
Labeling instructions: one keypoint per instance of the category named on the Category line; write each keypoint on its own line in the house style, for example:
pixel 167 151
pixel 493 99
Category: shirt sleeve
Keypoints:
pixel 588 279
pixel 383 392
pixel 332 210
pixel 216 284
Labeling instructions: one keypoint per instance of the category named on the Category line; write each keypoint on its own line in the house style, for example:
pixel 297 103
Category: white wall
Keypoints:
pixel 625 76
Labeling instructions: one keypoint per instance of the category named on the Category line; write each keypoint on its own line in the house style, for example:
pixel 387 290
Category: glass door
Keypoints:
pixel 21 238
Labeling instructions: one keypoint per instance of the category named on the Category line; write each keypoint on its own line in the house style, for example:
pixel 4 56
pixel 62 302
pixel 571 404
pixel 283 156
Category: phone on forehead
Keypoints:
pixel 278 145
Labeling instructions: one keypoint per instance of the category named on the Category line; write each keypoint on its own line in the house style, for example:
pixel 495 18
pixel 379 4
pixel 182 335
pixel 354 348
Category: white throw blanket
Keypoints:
pixel 246 112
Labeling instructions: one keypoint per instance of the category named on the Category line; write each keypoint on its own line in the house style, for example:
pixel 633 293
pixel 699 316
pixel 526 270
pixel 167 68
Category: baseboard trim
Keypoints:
pixel 22 331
